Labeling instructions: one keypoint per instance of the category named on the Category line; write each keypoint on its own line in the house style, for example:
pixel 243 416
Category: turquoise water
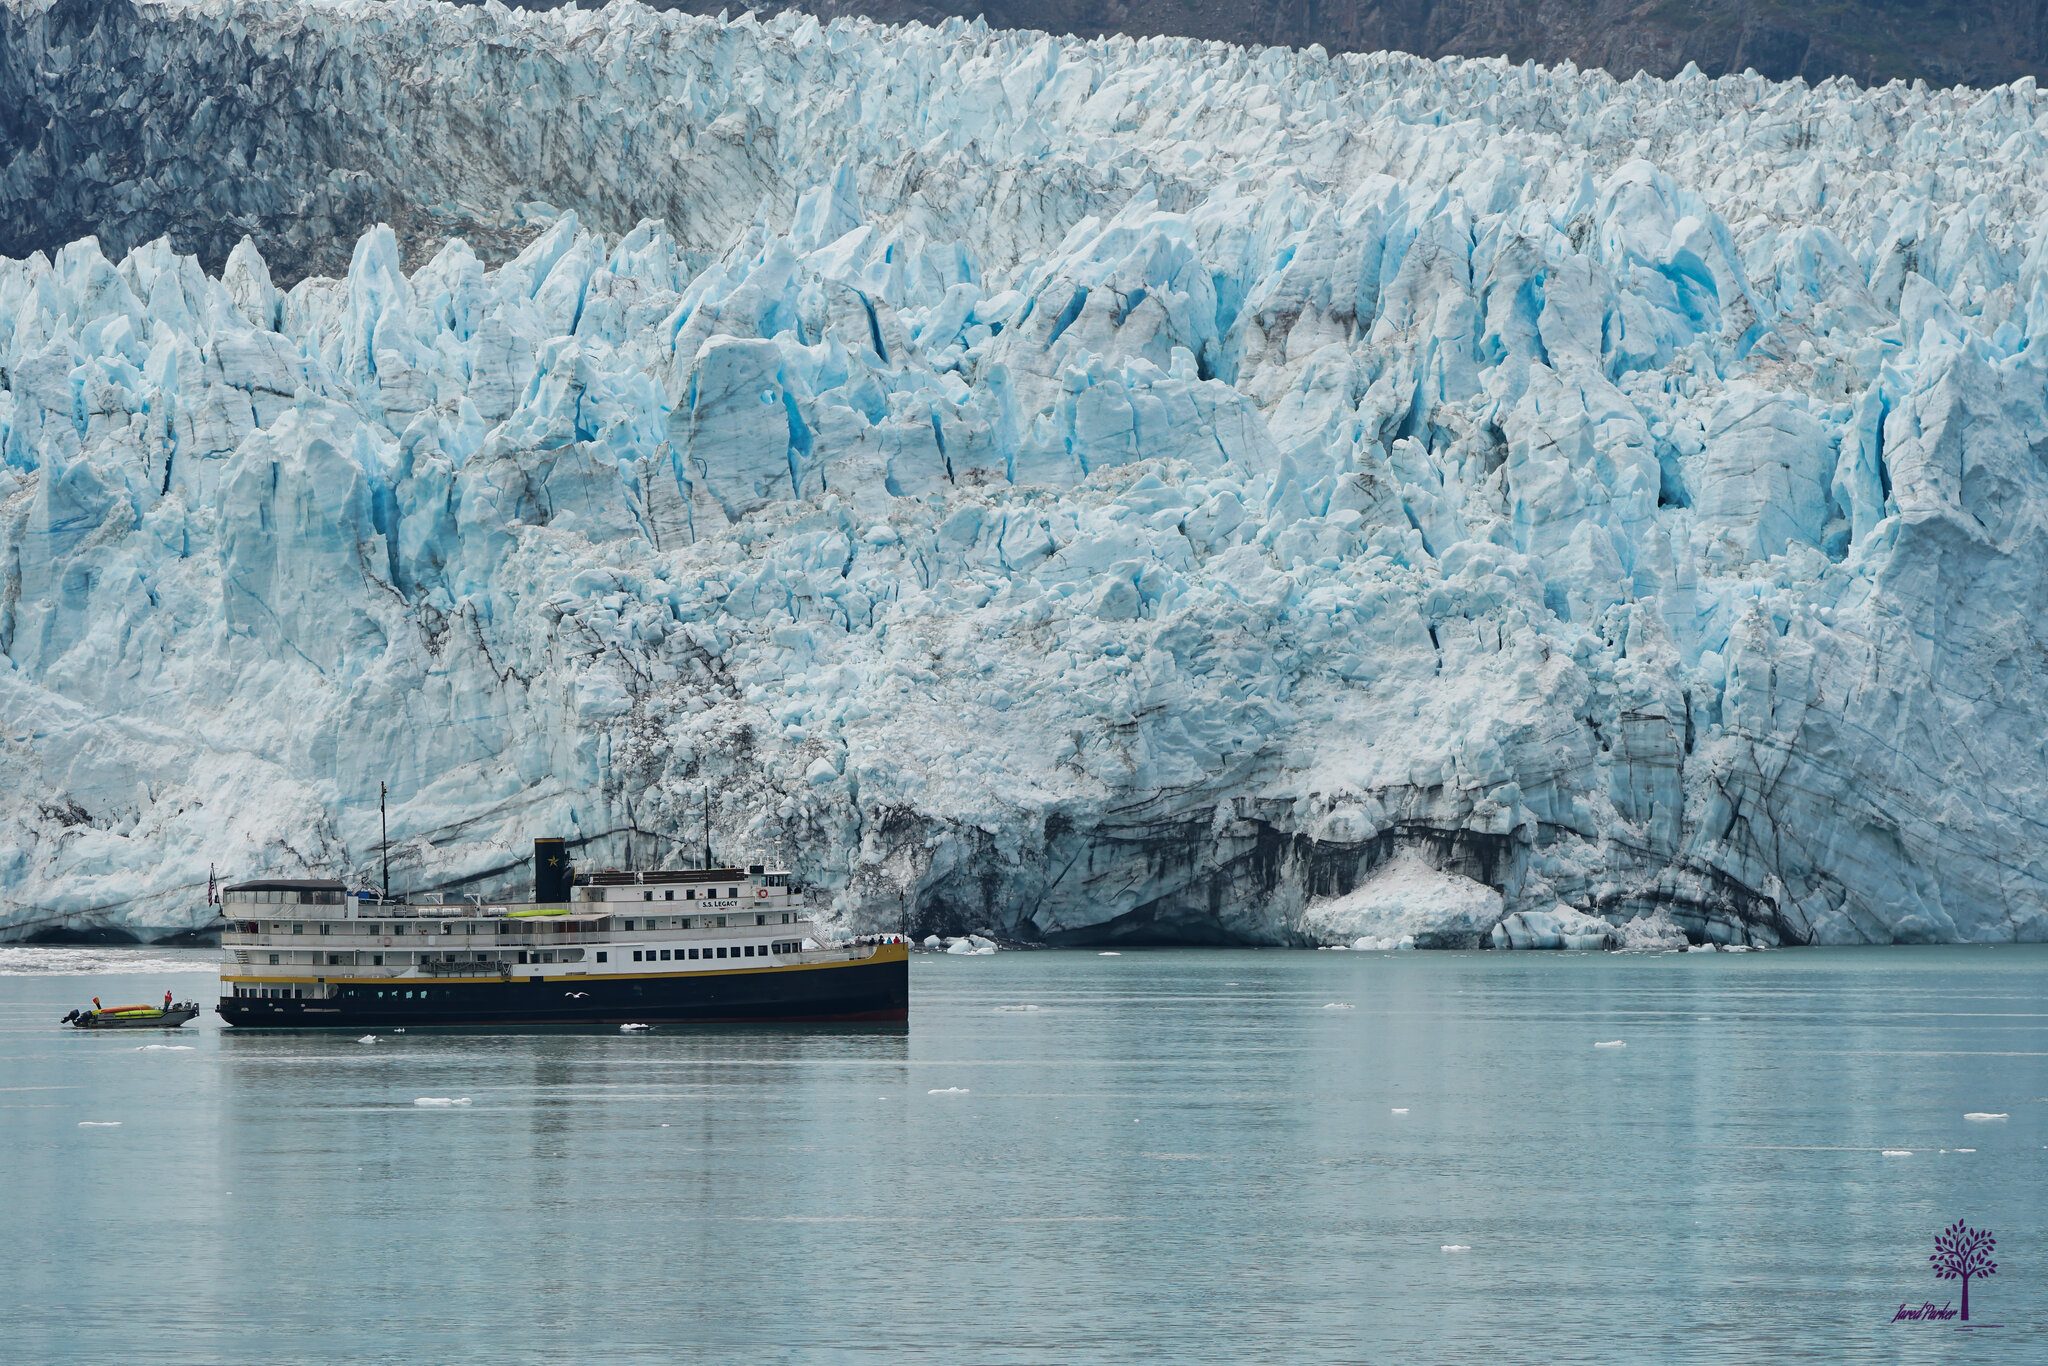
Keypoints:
pixel 1170 1155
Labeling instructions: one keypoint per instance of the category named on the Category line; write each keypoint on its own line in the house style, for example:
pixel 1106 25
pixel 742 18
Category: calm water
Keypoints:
pixel 1162 1155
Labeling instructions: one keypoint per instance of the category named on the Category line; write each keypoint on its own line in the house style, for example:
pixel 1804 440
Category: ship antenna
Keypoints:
pixel 384 828
pixel 707 827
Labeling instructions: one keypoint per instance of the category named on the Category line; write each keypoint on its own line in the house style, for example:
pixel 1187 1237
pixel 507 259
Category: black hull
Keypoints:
pixel 876 989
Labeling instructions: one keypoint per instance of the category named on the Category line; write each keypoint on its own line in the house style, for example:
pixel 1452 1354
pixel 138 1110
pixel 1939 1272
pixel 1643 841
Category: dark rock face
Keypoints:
pixel 1872 41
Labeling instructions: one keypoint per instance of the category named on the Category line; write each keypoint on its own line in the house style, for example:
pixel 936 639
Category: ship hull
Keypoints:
pixel 872 989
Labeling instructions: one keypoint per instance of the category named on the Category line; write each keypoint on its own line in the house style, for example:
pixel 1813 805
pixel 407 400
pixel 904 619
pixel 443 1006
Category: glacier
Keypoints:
pixel 1075 492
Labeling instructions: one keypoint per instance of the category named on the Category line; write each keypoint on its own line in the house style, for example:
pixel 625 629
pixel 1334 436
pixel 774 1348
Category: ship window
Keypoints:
pixel 732 891
pixel 669 895
pixel 298 929
pixel 664 955
pixel 690 895
pixel 693 953
pixel 721 922
pixel 603 957
pixel 785 917
pixel 721 953
pixel 273 958
pixel 636 955
pixel 760 920
pixel 647 896
pixel 629 924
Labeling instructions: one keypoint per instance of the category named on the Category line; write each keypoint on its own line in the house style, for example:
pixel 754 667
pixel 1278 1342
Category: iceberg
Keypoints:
pixel 1089 491
pixel 1560 927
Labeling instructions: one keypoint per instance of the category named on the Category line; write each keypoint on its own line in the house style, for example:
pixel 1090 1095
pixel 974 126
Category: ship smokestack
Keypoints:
pixel 550 870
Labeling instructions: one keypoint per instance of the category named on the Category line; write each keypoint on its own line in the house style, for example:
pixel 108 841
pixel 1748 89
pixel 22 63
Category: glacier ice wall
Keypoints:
pixel 1075 490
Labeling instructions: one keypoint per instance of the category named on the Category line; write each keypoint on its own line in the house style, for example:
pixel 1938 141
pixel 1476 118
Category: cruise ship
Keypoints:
pixel 700 945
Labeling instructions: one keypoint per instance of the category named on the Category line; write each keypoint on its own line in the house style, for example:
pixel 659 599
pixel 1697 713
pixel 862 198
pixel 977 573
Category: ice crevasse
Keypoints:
pixel 1074 491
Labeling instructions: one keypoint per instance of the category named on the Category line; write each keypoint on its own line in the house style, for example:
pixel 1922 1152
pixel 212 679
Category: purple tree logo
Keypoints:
pixel 1960 1253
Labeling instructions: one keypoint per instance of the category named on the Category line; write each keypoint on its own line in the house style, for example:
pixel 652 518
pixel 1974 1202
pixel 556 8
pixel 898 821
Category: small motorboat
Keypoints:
pixel 133 1017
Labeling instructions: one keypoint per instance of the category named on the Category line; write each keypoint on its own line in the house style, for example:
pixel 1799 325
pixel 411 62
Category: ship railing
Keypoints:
pixel 358 940
pixel 447 967
pixel 400 942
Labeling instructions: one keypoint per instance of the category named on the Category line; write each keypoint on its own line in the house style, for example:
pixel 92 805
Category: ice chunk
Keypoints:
pixel 1109 953
pixel 165 1048
pixel 1339 1005
pixel 1560 927
pixel 1984 1116
pixel 1457 1247
pixel 1653 933
pixel 99 1123
pixel 439 1102
pixel 1400 1109
pixel 367 1038
pixel 1611 1043
pixel 1897 1152
pixel 948 1091
pixel 1406 901
pixel 634 1028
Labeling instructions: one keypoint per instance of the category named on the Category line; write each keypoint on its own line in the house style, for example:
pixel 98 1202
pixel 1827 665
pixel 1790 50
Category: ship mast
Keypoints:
pixel 384 829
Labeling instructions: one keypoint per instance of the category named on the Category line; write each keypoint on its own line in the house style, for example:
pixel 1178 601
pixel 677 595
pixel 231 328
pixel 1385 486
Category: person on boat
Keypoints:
pixel 96 1003
pixel 167 1002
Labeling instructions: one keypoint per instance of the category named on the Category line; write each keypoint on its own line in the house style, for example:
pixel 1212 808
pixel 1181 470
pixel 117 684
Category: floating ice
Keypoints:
pixel 1109 953
pixel 634 1028
pixel 949 1091
pixel 1653 933
pixel 1560 927
pixel 1611 1043
pixel 1017 1010
pixel 1406 903
pixel 1966 1150
pixel 1898 1152
pixel 99 1123
pixel 1340 1005
pixel 165 1048
pixel 440 1101
pixel 367 1038
pixel 1984 1116
pixel 1457 1247
pixel 1400 1109
pixel 65 960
